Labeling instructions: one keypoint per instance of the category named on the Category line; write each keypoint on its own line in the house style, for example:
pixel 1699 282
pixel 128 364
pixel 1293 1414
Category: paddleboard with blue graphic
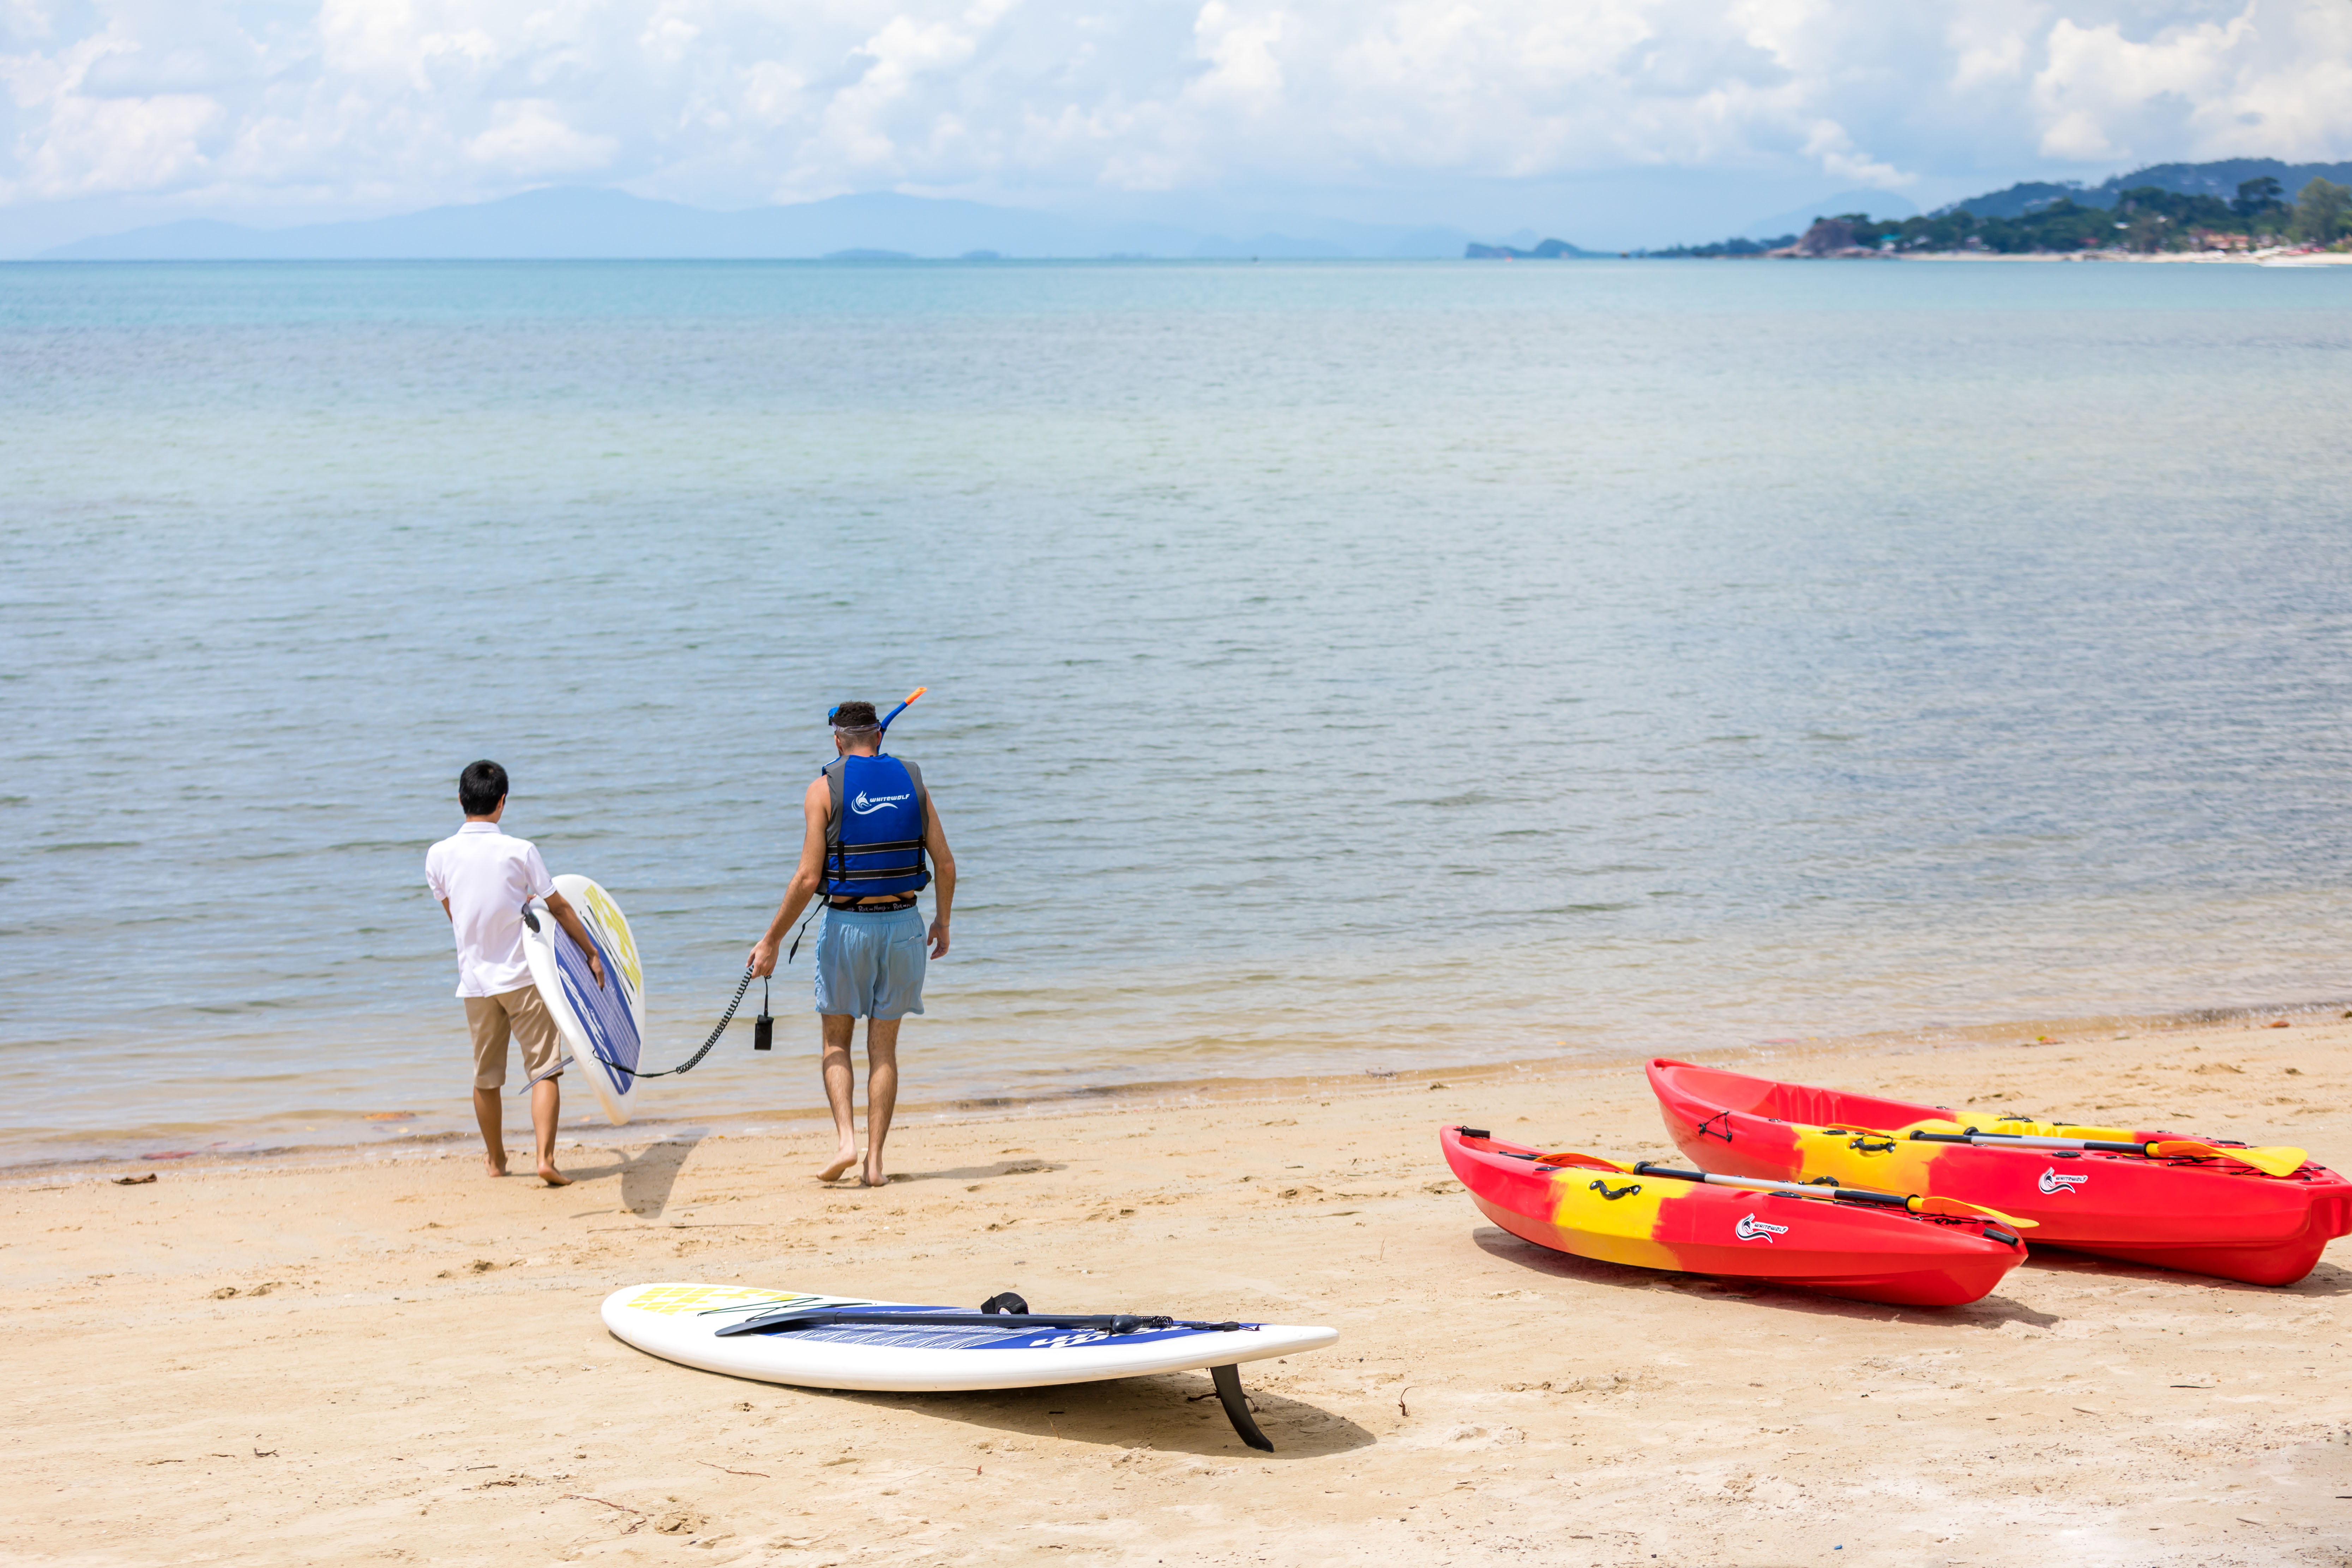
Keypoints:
pixel 680 1322
pixel 603 1026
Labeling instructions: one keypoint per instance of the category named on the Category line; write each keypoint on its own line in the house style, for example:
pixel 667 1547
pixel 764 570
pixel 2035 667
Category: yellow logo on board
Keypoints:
pixel 672 1299
pixel 614 930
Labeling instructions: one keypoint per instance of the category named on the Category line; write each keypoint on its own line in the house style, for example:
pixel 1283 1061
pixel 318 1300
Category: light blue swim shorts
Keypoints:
pixel 871 966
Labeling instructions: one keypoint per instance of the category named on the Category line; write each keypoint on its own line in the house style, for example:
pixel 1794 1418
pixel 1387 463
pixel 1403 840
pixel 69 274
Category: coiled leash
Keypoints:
pixel 761 1032
pixel 724 1019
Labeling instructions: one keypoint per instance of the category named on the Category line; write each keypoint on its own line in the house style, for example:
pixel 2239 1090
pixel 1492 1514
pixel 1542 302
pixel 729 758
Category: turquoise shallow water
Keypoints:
pixel 1332 667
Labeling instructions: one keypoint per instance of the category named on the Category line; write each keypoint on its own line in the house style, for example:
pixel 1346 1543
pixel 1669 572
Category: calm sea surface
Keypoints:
pixel 1331 667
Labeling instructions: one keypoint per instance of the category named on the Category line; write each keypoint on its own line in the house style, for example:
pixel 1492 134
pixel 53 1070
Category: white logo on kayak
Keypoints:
pixel 1750 1228
pixel 867 804
pixel 2052 1183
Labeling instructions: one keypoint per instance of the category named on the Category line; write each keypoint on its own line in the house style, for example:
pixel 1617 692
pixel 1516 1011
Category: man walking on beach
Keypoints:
pixel 483 878
pixel 867 827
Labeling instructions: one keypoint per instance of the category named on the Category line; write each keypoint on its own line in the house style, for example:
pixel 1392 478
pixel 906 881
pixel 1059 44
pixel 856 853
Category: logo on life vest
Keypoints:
pixel 2053 1183
pixel 1750 1228
pixel 867 804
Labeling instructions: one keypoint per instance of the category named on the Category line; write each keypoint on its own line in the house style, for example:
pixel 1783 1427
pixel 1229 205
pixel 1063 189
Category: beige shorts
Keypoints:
pixel 521 1013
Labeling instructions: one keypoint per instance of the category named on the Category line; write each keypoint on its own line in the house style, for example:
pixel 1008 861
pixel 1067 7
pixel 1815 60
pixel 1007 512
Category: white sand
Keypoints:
pixel 411 1368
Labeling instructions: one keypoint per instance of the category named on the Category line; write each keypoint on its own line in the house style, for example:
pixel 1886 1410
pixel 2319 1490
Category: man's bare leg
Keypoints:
pixel 488 1116
pixel 838 1029
pixel 881 1091
pixel 546 1107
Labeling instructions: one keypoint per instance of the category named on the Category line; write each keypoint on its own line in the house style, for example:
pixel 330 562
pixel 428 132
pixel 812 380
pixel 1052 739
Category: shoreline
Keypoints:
pixel 2234 257
pixel 304 1362
pixel 2231 257
pixel 19 1165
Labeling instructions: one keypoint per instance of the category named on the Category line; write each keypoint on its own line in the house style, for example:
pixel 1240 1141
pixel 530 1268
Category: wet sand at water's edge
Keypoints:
pixel 402 1362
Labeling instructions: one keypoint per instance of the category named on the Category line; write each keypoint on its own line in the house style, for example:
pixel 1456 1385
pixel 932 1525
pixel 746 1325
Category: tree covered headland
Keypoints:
pixel 2144 218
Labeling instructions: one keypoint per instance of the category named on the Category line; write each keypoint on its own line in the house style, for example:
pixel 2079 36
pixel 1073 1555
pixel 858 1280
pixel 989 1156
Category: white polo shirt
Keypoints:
pixel 487 874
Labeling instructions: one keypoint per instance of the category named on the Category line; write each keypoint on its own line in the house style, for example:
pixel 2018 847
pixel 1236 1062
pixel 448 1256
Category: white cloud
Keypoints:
pixel 396 102
pixel 2266 77
pixel 528 137
pixel 1835 149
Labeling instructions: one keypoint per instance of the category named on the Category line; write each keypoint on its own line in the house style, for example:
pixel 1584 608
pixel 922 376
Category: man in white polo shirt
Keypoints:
pixel 483 878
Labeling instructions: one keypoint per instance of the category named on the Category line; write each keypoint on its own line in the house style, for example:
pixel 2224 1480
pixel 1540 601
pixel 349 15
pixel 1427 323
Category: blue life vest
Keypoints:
pixel 874 839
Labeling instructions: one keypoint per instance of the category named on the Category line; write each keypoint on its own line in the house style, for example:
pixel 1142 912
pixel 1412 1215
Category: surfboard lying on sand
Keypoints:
pixel 839 1342
pixel 603 1027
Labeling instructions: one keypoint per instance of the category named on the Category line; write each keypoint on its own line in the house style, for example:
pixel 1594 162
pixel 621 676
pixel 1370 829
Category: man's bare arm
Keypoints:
pixel 944 875
pixel 569 919
pixel 816 807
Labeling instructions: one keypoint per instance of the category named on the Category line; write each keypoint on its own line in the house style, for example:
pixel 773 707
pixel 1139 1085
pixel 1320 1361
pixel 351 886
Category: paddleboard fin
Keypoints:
pixel 1228 1379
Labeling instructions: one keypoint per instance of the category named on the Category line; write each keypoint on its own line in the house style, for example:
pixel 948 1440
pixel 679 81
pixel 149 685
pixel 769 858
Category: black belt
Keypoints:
pixel 892 909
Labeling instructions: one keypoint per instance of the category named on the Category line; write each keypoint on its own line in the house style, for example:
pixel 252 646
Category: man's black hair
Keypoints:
pixel 480 787
pixel 856 716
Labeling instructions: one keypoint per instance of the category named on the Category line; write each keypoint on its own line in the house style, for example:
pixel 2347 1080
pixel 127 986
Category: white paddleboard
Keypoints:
pixel 680 1324
pixel 604 1030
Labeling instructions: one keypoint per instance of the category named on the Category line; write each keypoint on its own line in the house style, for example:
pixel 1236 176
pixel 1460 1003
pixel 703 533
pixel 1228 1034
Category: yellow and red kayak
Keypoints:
pixel 1868 1246
pixel 2143 1197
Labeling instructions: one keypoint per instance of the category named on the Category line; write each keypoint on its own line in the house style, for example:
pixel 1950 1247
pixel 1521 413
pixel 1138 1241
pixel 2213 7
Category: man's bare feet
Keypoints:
pixel 493 1167
pixel 842 1159
pixel 874 1176
pixel 553 1177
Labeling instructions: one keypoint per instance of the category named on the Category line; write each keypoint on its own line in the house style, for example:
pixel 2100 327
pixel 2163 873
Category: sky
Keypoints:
pixel 1502 113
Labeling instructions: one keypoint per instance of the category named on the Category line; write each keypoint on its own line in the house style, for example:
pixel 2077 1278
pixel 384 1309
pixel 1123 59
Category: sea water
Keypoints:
pixel 1331 667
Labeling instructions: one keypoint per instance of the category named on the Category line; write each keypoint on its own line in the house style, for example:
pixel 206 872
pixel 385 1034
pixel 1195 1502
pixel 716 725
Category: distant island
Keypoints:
pixel 2239 204
pixel 1549 250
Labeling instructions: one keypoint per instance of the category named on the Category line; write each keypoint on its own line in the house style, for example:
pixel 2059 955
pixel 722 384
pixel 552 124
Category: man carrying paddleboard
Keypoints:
pixel 483 878
pixel 869 825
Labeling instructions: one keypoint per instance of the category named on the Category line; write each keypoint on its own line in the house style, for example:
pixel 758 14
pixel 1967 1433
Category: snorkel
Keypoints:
pixel 901 708
pixel 882 729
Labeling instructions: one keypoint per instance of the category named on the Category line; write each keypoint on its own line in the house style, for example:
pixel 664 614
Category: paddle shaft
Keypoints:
pixel 1106 1322
pixel 1785 1189
pixel 2021 1141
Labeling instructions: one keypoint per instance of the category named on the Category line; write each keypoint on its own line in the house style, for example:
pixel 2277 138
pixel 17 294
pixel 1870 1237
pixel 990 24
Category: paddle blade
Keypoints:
pixel 2276 1162
pixel 1960 1208
pixel 1585 1162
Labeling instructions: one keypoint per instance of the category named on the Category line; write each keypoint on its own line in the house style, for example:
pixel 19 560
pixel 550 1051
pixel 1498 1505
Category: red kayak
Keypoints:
pixel 2143 1196
pixel 1868 1246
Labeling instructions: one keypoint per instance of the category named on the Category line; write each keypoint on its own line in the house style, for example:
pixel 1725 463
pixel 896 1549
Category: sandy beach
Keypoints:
pixel 402 1362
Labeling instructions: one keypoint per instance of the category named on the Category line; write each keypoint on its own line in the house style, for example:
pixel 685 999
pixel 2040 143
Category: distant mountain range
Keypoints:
pixel 587 224
pixel 2217 179
pixel 580 223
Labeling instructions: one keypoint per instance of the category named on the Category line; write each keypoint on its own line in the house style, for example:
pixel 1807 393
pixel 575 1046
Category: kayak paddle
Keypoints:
pixel 2281 1161
pixel 1955 1208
